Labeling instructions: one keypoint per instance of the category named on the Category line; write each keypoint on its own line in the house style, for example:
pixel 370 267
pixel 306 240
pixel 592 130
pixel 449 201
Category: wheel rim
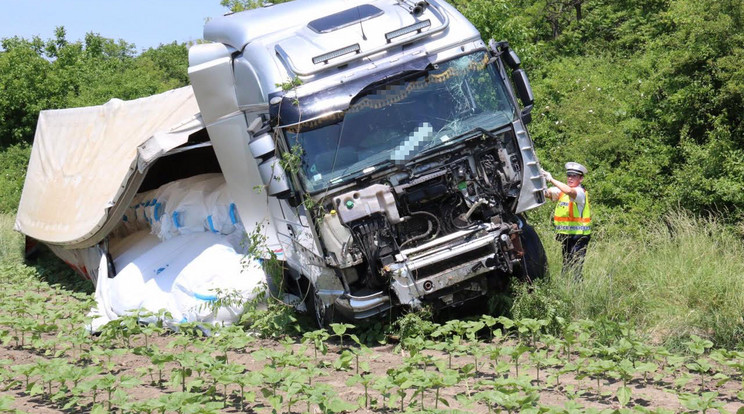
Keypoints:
pixel 320 309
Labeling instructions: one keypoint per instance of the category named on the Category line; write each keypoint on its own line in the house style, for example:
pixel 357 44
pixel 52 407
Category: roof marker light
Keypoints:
pixel 416 27
pixel 336 53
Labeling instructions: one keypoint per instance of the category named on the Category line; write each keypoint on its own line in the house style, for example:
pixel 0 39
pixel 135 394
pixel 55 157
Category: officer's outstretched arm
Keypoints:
pixel 565 188
pixel 571 191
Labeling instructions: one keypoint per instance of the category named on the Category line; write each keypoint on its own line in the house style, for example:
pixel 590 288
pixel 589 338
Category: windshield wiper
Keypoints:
pixel 345 176
pixel 465 135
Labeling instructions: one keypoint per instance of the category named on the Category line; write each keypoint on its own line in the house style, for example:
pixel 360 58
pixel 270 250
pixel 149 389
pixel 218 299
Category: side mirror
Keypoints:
pixel 527 115
pixel 272 174
pixel 274 178
pixel 524 90
pixel 512 60
pixel 519 77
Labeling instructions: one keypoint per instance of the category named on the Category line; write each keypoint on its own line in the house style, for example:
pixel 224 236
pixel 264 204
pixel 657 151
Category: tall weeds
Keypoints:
pixel 684 275
pixel 11 242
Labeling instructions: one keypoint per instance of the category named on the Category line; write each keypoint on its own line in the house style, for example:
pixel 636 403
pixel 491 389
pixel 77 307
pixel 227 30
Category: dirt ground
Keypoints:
pixel 655 395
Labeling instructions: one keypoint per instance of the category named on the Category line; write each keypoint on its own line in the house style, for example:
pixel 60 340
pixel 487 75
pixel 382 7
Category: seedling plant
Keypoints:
pixel 274 363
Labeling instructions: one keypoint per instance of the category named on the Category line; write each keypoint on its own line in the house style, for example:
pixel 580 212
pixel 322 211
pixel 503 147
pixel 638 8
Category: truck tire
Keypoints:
pixel 323 315
pixel 534 261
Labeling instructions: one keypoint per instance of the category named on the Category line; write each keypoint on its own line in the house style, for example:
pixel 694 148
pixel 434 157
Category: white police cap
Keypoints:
pixel 575 167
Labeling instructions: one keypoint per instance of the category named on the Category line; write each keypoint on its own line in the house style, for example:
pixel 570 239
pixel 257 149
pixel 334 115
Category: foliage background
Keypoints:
pixel 647 94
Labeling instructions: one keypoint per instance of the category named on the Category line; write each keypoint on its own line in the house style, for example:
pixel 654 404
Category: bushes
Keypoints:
pixel 636 91
pixel 13 163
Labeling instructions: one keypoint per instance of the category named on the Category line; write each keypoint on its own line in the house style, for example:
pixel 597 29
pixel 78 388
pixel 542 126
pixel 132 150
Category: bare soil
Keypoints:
pixel 652 394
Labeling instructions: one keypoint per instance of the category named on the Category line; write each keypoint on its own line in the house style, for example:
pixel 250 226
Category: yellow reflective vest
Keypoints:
pixel 567 219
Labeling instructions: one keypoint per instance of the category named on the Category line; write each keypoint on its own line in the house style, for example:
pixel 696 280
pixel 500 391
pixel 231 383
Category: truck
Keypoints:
pixel 377 149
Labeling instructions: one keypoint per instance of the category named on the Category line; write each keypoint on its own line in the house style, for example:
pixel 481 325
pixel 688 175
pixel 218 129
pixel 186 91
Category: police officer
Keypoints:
pixel 573 216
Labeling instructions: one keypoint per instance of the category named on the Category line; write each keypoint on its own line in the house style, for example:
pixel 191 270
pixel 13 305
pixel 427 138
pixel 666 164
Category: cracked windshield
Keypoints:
pixel 395 121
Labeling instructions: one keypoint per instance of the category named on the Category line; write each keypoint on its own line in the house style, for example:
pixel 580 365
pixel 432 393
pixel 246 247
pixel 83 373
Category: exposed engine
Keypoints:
pixel 462 193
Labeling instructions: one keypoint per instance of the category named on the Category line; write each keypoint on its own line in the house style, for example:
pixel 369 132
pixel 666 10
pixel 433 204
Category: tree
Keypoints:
pixel 241 5
pixel 26 86
pixel 37 75
pixel 172 59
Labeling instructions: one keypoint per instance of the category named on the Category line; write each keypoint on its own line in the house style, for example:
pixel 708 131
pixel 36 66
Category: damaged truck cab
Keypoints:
pixel 387 146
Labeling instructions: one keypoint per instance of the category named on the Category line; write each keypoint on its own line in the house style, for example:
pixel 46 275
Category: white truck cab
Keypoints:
pixel 388 140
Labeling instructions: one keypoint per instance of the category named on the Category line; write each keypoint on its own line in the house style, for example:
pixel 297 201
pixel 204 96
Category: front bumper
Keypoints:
pixel 440 269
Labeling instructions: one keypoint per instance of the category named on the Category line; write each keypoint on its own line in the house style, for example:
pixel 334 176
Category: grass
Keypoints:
pixel 11 242
pixel 683 276
pixel 47 267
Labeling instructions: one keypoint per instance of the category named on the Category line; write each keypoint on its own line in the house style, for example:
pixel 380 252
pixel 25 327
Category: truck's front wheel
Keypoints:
pixel 535 261
pixel 322 314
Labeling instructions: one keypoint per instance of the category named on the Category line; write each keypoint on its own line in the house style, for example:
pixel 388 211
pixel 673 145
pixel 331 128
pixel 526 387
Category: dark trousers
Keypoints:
pixel 574 251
